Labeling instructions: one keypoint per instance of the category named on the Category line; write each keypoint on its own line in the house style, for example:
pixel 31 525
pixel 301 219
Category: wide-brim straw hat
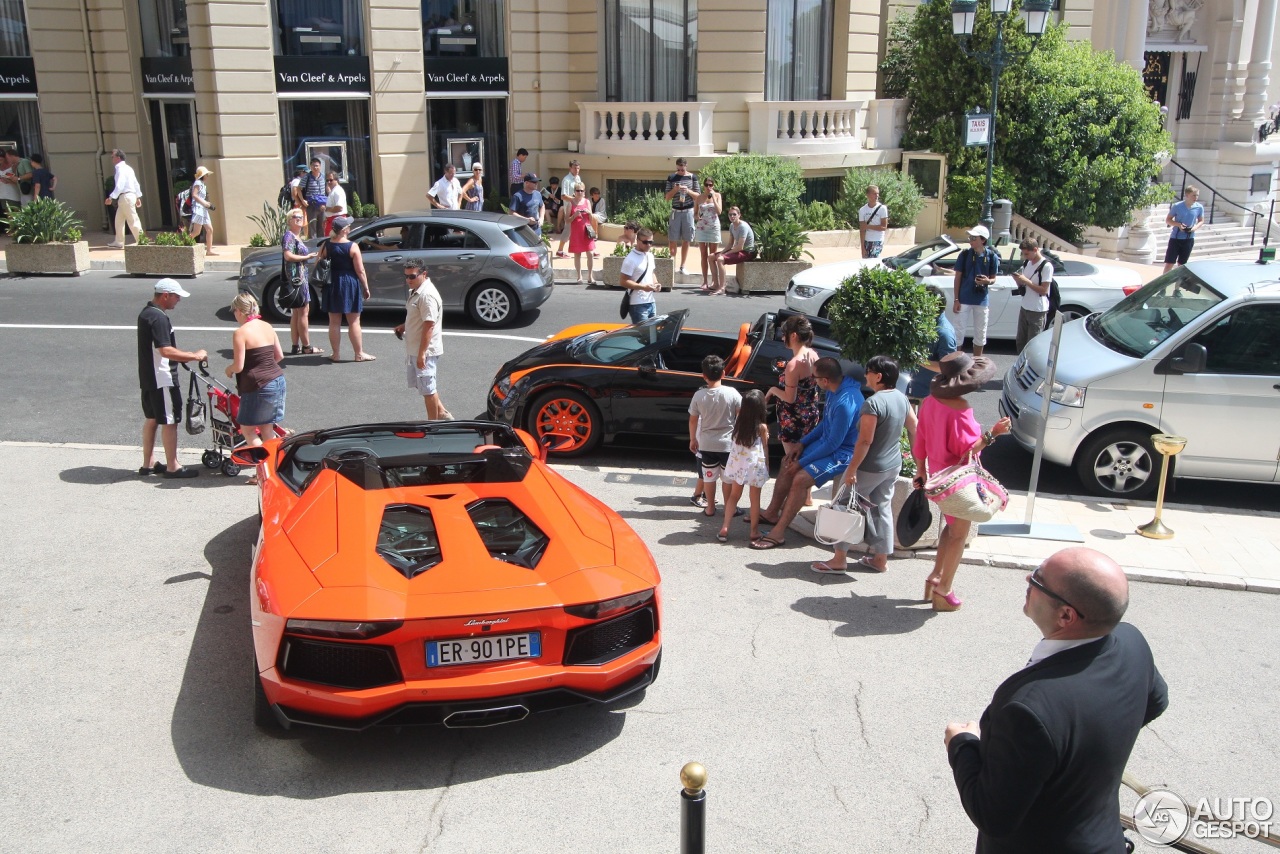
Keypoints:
pixel 959 374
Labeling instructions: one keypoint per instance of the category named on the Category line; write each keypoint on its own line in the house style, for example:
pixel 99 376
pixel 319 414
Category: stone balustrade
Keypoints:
pixel 668 128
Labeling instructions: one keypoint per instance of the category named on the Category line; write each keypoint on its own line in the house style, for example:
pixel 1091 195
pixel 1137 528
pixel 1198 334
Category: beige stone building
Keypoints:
pixel 387 91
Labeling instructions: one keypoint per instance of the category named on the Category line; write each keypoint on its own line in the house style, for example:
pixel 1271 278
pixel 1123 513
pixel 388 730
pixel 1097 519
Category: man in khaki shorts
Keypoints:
pixel 423 343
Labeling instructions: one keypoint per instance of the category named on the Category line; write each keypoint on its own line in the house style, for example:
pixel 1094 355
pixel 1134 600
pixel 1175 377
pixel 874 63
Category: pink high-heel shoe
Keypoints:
pixel 929 583
pixel 949 602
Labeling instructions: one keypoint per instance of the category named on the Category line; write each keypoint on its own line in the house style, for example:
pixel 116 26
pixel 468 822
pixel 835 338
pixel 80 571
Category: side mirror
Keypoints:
pixel 648 367
pixel 248 457
pixel 1191 360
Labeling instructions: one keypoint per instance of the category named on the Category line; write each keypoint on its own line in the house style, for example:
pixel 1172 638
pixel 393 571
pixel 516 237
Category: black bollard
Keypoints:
pixel 693 809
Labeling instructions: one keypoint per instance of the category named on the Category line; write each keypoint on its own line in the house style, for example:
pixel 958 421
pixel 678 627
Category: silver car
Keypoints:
pixel 491 265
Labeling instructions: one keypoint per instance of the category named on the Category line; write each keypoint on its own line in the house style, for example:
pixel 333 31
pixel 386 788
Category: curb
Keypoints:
pixel 117 266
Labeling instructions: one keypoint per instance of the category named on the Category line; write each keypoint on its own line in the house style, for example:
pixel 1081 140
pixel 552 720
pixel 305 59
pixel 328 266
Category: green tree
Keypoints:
pixel 886 312
pixel 1076 135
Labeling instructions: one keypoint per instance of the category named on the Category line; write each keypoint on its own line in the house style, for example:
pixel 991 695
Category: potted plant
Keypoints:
pixel 611 266
pixel 887 312
pixel 171 253
pixel 47 240
pixel 780 243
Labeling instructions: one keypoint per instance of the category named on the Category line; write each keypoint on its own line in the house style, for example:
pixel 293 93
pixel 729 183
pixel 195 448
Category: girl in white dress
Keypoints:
pixel 748 462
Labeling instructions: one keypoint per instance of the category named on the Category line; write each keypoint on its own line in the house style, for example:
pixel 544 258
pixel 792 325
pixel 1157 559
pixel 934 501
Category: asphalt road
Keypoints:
pixel 68 369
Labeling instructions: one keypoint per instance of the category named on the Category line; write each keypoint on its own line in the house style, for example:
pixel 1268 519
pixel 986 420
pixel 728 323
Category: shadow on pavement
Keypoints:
pixel 218 745
pixel 865 616
pixel 104 476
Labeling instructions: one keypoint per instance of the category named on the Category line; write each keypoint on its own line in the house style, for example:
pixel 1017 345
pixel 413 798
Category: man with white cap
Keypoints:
pixel 976 271
pixel 200 207
pixel 158 358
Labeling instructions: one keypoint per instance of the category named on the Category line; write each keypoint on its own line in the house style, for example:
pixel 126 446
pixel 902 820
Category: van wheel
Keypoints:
pixel 1120 463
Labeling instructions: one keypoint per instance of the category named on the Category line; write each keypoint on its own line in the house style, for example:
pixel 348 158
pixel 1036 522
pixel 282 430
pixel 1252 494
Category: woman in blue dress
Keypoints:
pixel 347 290
pixel 473 190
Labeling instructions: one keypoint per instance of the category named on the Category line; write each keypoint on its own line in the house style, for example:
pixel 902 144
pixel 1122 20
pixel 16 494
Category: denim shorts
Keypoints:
pixel 264 406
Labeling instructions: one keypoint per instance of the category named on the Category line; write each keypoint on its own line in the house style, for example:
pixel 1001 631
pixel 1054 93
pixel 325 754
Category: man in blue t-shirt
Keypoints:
pixel 976 271
pixel 943 346
pixel 1184 217
pixel 527 202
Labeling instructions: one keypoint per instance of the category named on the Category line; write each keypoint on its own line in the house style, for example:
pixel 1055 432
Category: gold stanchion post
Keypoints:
pixel 1168 446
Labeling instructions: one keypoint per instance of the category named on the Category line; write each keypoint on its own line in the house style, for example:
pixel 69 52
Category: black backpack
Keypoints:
pixel 285 199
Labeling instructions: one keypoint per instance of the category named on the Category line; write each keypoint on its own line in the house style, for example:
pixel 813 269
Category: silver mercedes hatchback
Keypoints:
pixel 492 266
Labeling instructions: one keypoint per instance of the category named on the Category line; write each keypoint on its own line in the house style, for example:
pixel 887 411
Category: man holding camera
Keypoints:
pixel 1184 217
pixel 976 271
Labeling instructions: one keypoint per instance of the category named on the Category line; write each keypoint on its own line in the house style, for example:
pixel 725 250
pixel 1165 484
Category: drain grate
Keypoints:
pixel 649 479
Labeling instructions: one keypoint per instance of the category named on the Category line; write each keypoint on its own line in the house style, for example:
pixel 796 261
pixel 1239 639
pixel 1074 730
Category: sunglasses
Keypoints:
pixel 645 242
pixel 413 275
pixel 1034 580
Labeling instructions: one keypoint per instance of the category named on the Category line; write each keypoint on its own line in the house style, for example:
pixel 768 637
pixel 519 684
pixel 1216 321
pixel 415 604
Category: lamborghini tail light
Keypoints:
pixel 340 629
pixel 609 607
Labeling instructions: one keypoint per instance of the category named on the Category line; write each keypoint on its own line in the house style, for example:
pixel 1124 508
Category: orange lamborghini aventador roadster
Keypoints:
pixel 440 573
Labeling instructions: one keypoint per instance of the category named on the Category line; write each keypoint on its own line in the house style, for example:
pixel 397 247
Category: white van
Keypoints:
pixel 1194 353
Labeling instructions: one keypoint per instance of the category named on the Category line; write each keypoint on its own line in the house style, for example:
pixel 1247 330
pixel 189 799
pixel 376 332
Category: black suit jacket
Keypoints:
pixel 1045 775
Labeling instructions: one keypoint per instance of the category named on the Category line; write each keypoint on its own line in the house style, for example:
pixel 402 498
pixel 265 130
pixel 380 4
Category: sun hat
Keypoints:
pixel 959 374
pixel 201 172
pixel 169 286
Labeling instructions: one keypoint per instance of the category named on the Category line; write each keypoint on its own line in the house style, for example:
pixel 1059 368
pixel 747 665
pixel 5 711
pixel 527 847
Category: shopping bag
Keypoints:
pixel 967 491
pixel 841 521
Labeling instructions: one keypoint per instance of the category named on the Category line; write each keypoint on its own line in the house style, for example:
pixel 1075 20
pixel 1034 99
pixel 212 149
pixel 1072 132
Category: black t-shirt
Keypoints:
pixel 155 331
pixel 44 178
pixel 681 202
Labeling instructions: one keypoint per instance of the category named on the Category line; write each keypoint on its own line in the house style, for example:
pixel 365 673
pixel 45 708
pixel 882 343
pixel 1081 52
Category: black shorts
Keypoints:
pixel 1178 251
pixel 163 405
pixel 712 463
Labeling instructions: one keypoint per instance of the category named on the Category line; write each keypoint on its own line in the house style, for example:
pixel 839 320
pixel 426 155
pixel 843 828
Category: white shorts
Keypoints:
pixel 422 381
pixel 973 317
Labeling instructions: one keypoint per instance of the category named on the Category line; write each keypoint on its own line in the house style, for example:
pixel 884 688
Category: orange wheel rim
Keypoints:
pixel 567 418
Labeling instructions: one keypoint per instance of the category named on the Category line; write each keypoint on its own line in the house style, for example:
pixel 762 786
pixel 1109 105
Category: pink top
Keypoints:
pixel 944 435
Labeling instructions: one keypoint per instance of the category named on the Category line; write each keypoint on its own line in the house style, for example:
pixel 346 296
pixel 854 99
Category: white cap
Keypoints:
pixel 980 231
pixel 169 286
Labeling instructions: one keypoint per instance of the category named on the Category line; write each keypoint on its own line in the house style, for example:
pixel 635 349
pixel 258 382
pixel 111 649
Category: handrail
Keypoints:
pixel 1213 201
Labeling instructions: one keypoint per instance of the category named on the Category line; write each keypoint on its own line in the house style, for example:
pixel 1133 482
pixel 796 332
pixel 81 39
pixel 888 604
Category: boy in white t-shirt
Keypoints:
pixel 873 221
pixel 712 413
pixel 1033 284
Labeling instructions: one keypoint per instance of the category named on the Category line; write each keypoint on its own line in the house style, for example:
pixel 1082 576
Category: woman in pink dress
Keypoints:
pixel 948 433
pixel 580 216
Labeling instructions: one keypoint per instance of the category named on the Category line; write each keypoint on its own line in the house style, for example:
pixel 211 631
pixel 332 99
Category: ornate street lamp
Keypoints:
pixel 1035 13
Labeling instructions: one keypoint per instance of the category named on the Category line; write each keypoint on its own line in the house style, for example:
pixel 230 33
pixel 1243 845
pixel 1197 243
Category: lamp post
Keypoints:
pixel 963 12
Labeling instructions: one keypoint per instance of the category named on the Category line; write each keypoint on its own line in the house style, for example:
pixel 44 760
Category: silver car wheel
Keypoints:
pixel 492 305
pixel 1119 464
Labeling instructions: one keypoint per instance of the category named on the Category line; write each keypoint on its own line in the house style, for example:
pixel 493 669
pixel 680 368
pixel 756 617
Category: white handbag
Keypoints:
pixel 841 521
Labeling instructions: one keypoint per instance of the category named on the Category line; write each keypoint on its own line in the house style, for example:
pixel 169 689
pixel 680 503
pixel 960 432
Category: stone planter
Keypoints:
pixel 611 266
pixel 849 237
pixel 769 277
pixel 153 260
pixel 611 231
pixel 63 259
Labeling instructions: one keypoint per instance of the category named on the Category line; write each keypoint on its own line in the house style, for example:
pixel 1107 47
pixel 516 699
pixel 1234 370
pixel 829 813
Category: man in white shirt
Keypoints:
pixel 335 203
pixel 873 221
pixel 567 183
pixel 1033 283
pixel 446 193
pixel 423 343
pixel 639 278
pixel 127 194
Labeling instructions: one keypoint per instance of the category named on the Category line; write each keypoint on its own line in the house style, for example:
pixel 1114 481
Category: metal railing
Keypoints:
pixel 1216 197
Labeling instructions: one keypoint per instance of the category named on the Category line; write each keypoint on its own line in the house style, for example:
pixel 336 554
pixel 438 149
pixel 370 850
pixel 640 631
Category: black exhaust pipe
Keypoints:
pixel 476 718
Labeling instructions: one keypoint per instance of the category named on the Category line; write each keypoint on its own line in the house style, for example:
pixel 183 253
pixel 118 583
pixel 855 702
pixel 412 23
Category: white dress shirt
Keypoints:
pixel 1047 647
pixel 126 181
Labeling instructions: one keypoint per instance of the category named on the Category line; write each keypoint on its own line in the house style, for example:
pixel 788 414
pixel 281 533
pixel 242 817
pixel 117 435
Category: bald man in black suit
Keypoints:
pixel 1042 772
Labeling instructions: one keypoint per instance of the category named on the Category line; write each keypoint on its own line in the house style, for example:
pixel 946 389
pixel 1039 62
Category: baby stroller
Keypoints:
pixel 211 403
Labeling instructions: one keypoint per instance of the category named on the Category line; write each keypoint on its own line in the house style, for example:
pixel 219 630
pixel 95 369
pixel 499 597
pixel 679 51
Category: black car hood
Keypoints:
pixel 550 353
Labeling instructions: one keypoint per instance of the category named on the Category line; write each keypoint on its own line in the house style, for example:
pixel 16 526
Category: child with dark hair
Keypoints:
pixel 748 462
pixel 712 412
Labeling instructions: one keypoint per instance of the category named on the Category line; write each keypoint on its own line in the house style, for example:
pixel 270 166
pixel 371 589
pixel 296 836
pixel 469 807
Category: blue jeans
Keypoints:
pixel 644 311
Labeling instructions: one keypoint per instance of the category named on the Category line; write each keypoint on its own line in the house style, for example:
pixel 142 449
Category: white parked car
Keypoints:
pixel 1085 286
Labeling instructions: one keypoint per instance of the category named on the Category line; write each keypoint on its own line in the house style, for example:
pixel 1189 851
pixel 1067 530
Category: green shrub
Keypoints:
pixel 620 250
pixel 662 252
pixel 43 221
pixel 258 241
pixel 764 187
pixel 818 216
pixel 272 222
pixel 651 211
pixel 781 240
pixel 965 194
pixel 885 312
pixel 168 238
pixel 898 192
pixel 360 210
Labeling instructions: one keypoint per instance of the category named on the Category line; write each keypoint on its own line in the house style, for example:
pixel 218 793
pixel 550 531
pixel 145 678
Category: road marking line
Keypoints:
pixel 284 329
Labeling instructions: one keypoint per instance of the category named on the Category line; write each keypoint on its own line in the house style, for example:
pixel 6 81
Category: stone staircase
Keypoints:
pixel 1225 240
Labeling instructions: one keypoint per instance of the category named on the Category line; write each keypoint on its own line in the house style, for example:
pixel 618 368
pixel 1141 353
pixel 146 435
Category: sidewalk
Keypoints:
pixel 1228 549
pixel 103 257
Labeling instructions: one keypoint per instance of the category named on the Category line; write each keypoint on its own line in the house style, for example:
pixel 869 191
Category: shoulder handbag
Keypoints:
pixel 197 408
pixel 967 491
pixel 625 308
pixel 841 521
pixel 291 294
pixel 323 269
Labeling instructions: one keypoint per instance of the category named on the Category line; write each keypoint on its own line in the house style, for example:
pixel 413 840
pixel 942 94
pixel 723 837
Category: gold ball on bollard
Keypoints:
pixel 1168 445
pixel 693 777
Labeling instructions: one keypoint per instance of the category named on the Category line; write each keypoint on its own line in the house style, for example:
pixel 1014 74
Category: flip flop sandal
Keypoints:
pixel 824 568
pixel 767 542
pixel 311 351
pixel 865 560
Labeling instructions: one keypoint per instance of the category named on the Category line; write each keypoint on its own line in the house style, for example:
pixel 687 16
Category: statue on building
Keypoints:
pixel 1173 16
pixel 1157 16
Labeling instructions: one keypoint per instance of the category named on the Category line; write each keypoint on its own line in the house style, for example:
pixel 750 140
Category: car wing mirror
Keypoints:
pixel 647 366
pixel 1191 360
pixel 549 442
pixel 250 456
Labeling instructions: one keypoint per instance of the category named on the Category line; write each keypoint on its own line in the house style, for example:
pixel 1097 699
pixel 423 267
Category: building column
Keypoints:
pixel 1255 87
pixel 1135 35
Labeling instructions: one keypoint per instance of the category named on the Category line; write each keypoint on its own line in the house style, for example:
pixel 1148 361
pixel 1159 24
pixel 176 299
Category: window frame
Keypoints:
pixel 613 76
pixel 824 62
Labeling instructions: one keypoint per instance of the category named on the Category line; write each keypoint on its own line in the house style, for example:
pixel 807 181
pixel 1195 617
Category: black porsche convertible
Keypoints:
pixel 595 382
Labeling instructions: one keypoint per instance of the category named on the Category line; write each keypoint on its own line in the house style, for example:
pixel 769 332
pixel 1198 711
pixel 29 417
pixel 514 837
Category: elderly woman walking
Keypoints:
pixel 948 433
pixel 877 460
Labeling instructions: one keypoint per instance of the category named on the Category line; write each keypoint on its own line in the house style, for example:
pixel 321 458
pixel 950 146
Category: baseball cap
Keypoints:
pixel 169 286
pixel 301 167
pixel 341 222
pixel 980 231
pixel 530 176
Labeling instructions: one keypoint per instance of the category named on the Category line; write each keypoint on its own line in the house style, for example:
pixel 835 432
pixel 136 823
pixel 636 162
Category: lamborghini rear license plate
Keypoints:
pixel 493 648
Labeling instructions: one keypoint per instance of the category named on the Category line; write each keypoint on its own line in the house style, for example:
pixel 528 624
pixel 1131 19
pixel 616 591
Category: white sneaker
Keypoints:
pixel 115 245
pixel 682 272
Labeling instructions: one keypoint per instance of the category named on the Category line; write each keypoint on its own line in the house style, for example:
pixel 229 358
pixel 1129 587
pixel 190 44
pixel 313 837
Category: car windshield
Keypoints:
pixel 617 346
pixel 1138 323
pixel 915 253
pixel 523 235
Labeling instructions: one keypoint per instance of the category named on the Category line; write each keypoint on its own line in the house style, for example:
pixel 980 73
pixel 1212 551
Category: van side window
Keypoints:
pixel 1247 341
